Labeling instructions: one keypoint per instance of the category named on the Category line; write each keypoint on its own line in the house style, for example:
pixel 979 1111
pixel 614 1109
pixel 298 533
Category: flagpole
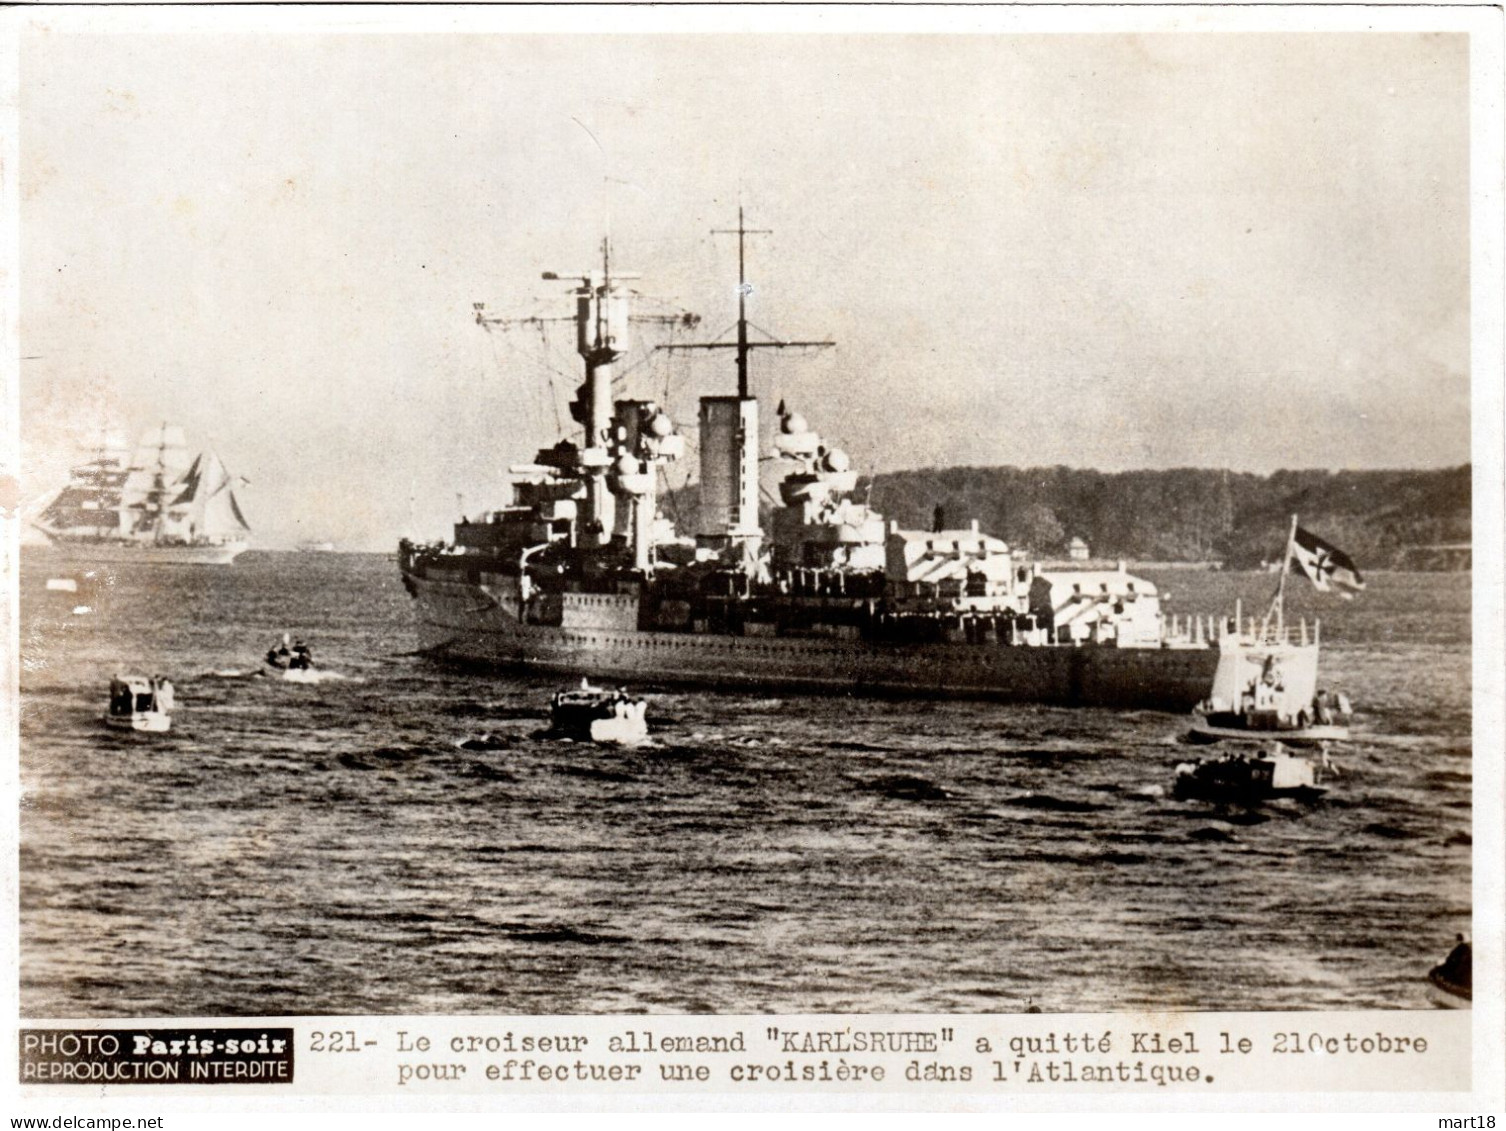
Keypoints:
pixel 1278 602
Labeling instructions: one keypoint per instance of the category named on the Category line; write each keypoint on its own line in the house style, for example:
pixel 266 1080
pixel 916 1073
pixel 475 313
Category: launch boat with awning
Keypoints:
pixel 581 574
pixel 140 703
pixel 1266 686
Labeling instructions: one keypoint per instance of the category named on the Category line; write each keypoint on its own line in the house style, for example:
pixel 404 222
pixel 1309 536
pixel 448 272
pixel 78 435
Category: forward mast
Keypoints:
pixel 601 493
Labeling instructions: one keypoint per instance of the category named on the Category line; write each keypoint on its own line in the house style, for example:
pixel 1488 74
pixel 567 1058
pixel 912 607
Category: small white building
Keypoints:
pixel 1077 550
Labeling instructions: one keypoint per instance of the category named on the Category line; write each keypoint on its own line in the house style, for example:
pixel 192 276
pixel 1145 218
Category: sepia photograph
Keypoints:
pixel 525 522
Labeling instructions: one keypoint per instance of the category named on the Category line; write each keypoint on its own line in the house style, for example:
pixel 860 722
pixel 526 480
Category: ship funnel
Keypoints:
pixel 729 467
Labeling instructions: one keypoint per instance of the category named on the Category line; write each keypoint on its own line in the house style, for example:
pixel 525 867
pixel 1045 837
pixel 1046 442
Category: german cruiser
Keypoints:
pixel 582 575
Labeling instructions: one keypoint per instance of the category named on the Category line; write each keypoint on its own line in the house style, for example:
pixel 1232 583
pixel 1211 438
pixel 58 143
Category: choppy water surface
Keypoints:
pixel 397 840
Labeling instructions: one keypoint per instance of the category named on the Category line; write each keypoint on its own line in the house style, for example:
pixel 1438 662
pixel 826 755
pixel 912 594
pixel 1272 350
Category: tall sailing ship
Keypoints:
pixel 581 574
pixel 162 505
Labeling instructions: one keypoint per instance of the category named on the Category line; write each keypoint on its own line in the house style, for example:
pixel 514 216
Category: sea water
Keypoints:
pixel 399 837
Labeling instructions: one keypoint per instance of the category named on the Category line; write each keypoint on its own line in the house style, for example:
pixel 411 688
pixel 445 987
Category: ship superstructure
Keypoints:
pixel 582 574
pixel 163 505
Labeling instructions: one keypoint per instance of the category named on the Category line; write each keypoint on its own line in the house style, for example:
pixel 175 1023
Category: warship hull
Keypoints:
pixel 463 622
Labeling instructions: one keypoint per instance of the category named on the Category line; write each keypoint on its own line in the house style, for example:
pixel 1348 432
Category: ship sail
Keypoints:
pixel 165 497
pixel 161 460
pixel 90 505
pixel 205 505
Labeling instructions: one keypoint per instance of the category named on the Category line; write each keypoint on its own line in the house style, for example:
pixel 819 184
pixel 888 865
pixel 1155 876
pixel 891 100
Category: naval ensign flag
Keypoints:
pixel 1328 566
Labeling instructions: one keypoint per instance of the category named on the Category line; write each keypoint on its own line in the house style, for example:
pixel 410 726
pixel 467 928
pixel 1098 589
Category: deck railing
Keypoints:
pixel 1199 631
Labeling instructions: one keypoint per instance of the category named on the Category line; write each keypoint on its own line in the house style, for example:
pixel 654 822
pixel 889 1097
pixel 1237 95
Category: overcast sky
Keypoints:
pixel 1103 251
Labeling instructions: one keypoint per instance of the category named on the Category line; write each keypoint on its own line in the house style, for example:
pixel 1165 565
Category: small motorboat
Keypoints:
pixel 140 703
pixel 1325 719
pixel 295 658
pixel 597 714
pixel 1451 982
pixel 1240 777
pixel 1266 687
pixel 1267 690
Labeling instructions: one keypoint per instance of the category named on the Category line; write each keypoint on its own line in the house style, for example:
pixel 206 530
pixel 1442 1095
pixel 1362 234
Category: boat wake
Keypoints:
pixel 487 741
pixel 318 675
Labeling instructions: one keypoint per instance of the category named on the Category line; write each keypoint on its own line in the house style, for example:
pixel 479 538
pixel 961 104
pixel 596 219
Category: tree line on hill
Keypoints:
pixel 1383 519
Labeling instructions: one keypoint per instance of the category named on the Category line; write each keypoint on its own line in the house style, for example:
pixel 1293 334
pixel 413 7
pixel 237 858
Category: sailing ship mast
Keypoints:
pixel 108 481
pixel 149 494
pixel 159 485
pixel 89 506
pixel 150 498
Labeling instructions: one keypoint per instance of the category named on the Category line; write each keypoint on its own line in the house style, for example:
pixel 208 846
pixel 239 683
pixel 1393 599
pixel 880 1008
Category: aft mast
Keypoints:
pixel 742 232
pixel 729 428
